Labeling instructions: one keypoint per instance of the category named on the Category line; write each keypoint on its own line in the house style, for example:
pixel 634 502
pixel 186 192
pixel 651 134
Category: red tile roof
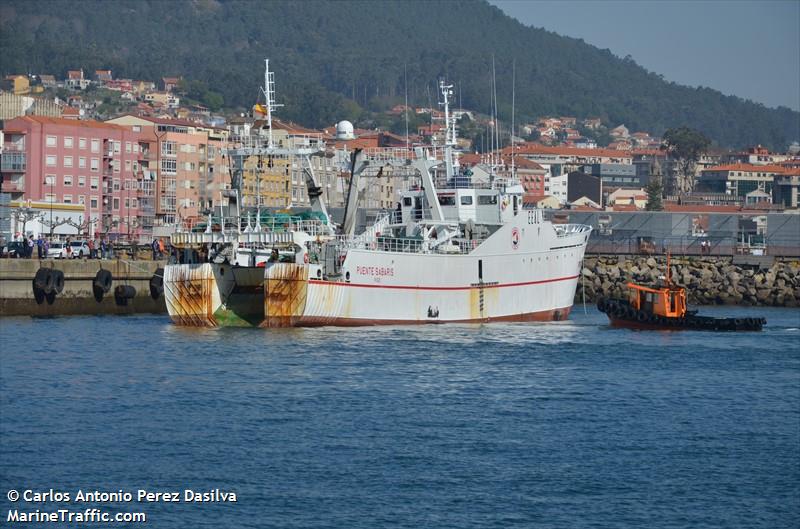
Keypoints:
pixel 523 163
pixel 469 159
pixel 170 121
pixel 648 152
pixel 292 128
pixel 358 143
pixel 624 207
pixel 71 122
pixel 534 198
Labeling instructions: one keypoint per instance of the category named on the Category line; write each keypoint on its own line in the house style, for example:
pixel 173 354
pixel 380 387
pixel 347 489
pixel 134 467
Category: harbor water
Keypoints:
pixel 561 425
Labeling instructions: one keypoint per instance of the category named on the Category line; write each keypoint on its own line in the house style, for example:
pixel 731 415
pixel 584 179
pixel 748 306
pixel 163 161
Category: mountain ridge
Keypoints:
pixel 334 58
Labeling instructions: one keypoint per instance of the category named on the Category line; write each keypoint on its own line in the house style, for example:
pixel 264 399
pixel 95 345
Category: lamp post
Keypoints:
pixel 50 180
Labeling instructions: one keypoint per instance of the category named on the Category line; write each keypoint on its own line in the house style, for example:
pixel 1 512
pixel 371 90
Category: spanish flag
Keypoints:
pixel 260 109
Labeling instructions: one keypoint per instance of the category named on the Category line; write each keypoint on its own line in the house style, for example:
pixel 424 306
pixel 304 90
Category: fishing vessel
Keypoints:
pixel 454 250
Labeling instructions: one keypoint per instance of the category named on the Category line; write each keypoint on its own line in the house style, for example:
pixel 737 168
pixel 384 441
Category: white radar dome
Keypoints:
pixel 344 131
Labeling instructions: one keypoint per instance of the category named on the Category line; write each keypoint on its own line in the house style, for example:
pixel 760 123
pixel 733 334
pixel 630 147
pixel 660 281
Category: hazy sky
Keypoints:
pixel 746 48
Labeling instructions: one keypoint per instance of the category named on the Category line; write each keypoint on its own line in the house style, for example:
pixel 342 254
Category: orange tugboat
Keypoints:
pixel 664 307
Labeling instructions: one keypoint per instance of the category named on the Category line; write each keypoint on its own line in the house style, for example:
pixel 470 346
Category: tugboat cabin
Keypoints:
pixel 668 301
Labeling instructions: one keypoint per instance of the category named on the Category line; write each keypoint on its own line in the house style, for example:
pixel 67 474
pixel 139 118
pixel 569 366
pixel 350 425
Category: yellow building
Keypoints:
pixel 266 182
pixel 18 84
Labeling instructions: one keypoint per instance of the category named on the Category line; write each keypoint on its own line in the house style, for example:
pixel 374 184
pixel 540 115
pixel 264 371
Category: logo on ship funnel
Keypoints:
pixel 515 238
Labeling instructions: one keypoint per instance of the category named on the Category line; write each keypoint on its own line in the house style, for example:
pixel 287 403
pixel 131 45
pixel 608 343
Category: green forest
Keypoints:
pixel 336 60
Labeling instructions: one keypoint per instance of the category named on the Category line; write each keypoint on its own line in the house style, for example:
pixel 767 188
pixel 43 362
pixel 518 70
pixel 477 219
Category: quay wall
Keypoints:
pixel 709 280
pixel 17 298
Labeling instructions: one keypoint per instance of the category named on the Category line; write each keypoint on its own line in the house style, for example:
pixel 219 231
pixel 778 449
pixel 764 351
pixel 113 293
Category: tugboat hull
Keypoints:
pixel 622 314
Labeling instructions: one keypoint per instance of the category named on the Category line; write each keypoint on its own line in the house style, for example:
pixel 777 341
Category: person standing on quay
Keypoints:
pixel 39 246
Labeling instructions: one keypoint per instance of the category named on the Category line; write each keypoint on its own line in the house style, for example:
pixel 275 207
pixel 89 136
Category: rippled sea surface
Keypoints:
pixel 563 425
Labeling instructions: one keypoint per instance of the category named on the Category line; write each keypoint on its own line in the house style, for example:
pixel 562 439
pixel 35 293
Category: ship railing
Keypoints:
pixel 385 244
pixel 468 245
pixel 312 227
pixel 379 226
pixel 565 230
pixel 466 182
pixel 415 245
pixel 389 154
pixel 228 237
pixel 293 141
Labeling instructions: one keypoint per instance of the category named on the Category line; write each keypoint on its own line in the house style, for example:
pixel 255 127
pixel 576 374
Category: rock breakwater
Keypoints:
pixel 708 280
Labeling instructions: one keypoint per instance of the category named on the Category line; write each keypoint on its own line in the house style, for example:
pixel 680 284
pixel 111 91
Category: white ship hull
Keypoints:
pixel 523 272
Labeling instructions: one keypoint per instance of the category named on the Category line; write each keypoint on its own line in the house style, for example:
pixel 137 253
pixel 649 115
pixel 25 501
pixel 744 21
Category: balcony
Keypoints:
pixel 13 162
pixel 13 186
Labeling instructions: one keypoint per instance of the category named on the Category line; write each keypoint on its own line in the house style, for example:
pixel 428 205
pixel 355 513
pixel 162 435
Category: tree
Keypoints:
pixel 314 52
pixel 654 191
pixel 685 145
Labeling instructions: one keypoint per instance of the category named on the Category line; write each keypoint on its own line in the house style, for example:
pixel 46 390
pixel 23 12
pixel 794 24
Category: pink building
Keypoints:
pixel 90 163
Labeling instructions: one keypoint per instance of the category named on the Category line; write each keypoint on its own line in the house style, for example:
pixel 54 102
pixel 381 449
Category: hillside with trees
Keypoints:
pixel 334 60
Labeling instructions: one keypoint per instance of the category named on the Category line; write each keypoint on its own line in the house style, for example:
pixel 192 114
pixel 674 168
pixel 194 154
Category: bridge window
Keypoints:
pixel 466 200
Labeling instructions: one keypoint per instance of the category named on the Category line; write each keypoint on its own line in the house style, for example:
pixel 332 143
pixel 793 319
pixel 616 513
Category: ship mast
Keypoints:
pixel 269 95
pixel 513 101
pixel 251 146
pixel 450 139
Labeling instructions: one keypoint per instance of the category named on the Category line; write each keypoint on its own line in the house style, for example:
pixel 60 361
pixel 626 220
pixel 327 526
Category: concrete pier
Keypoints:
pixel 17 294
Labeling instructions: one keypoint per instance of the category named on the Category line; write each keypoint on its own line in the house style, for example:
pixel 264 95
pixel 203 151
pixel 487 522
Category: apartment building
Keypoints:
pixel 739 179
pixel 265 182
pixel 87 163
pixel 560 161
pixel 186 163
pixel 757 155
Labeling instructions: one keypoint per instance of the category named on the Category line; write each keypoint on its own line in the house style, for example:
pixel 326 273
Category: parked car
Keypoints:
pixel 79 249
pixel 16 249
pixel 57 250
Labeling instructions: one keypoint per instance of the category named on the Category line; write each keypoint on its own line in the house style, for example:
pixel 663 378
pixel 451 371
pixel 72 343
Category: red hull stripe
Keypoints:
pixel 470 287
pixel 321 321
